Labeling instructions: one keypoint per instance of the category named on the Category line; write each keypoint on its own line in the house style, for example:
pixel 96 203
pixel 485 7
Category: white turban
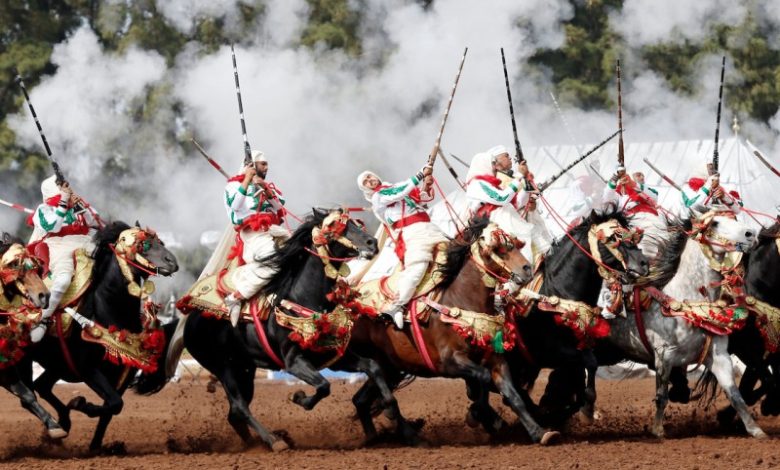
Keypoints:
pixel 258 156
pixel 49 188
pixel 619 167
pixel 367 192
pixel 481 164
pixel 497 151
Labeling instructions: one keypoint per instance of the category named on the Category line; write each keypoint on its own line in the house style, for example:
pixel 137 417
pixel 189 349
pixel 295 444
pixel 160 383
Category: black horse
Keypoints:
pixel 762 281
pixel 233 354
pixel 23 281
pixel 571 273
pixel 107 302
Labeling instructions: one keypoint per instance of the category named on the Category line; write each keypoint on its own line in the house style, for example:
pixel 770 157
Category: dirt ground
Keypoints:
pixel 184 426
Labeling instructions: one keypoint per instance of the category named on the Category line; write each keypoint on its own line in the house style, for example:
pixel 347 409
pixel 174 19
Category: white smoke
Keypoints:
pixel 642 22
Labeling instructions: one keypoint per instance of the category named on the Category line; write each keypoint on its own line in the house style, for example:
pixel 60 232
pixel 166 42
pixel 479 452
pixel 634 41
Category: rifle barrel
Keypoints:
pixel 435 150
pixel 715 157
pixel 247 148
pixel 552 179
pixel 519 157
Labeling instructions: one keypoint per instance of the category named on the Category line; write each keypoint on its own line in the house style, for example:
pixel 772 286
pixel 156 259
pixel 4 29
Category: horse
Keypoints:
pixel 477 266
pixel 115 307
pixel 233 354
pixel 762 281
pixel 685 275
pixel 21 289
pixel 559 335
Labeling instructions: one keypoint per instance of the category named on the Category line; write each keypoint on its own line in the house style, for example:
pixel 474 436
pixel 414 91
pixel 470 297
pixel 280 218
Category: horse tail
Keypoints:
pixel 706 389
pixel 150 383
pixel 175 348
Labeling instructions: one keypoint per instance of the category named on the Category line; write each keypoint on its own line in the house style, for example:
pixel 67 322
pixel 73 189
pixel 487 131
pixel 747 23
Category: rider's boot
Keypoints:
pixel 38 331
pixel 396 314
pixel 233 303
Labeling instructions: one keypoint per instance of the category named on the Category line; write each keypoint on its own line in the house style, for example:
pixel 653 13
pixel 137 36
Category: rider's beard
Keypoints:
pixel 262 174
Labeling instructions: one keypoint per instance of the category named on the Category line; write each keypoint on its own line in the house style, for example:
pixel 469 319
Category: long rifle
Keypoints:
pixel 763 159
pixel 18 207
pixel 596 172
pixel 247 148
pixel 571 165
pixel 54 165
pixel 621 151
pixel 59 176
pixel 662 175
pixel 519 157
pixel 460 160
pixel 435 150
pixel 209 159
pixel 715 159
pixel 450 168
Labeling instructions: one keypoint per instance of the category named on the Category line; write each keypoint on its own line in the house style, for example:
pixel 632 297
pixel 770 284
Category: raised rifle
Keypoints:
pixel 519 157
pixel 571 165
pixel 763 159
pixel 621 151
pixel 59 176
pixel 713 168
pixel 209 159
pixel 18 207
pixel 247 148
pixel 435 150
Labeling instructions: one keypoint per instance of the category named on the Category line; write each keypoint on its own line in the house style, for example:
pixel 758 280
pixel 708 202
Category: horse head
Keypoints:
pixel 143 250
pixel 501 255
pixel 616 246
pixel 723 233
pixel 342 236
pixel 20 273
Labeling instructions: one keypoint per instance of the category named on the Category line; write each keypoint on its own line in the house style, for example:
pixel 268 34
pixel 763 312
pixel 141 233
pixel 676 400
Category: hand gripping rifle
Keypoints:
pixel 621 151
pixel 571 165
pixel 247 148
pixel 60 177
pixel 713 169
pixel 435 150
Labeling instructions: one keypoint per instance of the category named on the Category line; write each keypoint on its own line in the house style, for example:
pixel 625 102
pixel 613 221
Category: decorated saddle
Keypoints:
pixel 208 296
pixel 380 293
pixel 82 278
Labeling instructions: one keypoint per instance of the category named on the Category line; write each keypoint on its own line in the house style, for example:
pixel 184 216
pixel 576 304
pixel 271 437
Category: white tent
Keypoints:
pixel 739 169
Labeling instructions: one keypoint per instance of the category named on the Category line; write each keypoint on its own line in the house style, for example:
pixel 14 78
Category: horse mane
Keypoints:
pixel 580 231
pixel 289 259
pixel 103 240
pixel 458 250
pixel 7 240
pixel 670 252
pixel 769 233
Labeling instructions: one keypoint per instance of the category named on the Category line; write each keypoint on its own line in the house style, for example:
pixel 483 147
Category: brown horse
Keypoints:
pixel 482 265
pixel 21 289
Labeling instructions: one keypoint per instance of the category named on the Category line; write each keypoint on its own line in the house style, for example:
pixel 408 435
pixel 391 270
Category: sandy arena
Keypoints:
pixel 185 426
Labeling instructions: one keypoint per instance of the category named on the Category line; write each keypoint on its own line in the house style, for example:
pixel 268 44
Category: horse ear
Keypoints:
pixel 319 212
pixel 137 224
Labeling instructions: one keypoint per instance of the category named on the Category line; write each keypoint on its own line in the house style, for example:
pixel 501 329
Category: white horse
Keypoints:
pixel 673 341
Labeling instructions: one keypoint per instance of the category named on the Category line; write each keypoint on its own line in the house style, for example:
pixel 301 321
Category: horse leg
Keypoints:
pixel 363 400
pixel 30 403
pixel 503 382
pixel 749 394
pixel 771 403
pixel 723 369
pixel 44 385
pixel 105 420
pixel 239 416
pixel 300 367
pixel 480 411
pixel 589 393
pixel 662 373
pixel 112 405
pixel 680 391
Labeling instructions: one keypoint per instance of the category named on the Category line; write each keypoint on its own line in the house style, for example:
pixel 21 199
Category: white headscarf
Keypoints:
pixel 481 164
pixel 497 151
pixel 49 188
pixel 258 156
pixel 367 192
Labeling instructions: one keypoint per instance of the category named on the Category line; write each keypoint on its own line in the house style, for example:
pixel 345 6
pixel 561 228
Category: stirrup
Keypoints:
pixel 43 326
pixel 396 316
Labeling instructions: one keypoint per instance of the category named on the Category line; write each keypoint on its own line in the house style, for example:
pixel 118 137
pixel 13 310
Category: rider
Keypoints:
pixel 255 208
pixel 400 207
pixel 64 222
pixel 638 202
pixel 703 193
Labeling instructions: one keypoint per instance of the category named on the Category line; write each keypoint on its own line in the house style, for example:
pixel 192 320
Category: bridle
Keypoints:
pixel 500 244
pixel 15 263
pixel 332 228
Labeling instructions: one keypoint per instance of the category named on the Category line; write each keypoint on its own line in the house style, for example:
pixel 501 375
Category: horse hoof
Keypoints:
pixel 550 437
pixel 279 445
pixel 211 387
pixel 680 394
pixel 77 402
pixel 471 421
pixel 297 397
pixel 760 435
pixel 57 433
